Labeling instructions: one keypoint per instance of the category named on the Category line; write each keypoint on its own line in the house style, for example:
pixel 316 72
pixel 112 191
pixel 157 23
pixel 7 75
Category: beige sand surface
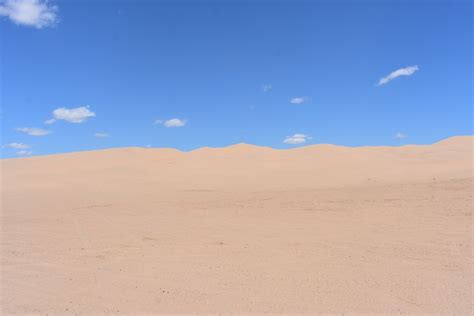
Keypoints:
pixel 242 229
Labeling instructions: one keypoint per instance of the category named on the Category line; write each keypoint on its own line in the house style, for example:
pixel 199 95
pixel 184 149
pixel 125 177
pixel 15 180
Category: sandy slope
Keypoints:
pixel 240 229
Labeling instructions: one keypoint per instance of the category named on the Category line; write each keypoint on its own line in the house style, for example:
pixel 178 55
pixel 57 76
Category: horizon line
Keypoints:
pixel 241 144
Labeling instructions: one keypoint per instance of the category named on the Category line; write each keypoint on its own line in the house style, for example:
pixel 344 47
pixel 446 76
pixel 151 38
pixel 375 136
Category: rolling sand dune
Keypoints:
pixel 241 229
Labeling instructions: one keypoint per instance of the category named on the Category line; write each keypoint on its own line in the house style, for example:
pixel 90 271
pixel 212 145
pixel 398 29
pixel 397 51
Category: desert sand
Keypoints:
pixel 241 229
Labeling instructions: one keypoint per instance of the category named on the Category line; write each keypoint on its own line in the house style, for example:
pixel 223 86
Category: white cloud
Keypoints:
pixel 400 135
pixel 175 122
pixel 101 135
pixel 267 87
pixel 298 100
pixel 33 131
pixel 24 152
pixel 296 139
pixel 74 115
pixel 407 71
pixel 50 121
pixel 36 13
pixel 17 146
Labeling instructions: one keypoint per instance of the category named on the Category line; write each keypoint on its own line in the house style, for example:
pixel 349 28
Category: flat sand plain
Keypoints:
pixel 241 229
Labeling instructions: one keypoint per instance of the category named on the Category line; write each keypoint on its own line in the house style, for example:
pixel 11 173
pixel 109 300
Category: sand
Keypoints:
pixel 241 229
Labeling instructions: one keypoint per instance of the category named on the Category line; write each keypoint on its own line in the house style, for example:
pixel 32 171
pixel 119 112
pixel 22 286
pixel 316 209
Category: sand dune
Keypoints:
pixel 241 229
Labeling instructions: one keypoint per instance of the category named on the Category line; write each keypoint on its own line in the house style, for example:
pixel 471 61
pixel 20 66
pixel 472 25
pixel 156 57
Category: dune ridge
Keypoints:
pixel 465 141
pixel 234 167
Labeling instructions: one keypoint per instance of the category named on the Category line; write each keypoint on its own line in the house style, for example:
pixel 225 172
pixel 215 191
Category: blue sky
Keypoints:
pixel 187 74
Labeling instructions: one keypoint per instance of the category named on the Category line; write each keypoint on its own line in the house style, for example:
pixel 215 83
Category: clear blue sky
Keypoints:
pixel 227 70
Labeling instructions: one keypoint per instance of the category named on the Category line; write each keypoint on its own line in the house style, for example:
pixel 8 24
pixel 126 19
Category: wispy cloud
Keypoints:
pixel 175 122
pixel 50 121
pixel 35 13
pixel 267 87
pixel 17 146
pixel 73 115
pixel 298 100
pixel 33 131
pixel 400 135
pixel 296 139
pixel 407 71
pixel 24 152
pixel 101 135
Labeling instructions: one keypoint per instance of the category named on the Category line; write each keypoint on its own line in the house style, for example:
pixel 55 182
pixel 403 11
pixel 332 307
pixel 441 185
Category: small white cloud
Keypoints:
pixel 298 100
pixel 17 146
pixel 175 122
pixel 74 115
pixel 101 135
pixel 296 139
pixel 33 131
pixel 36 13
pixel 400 135
pixel 50 121
pixel 24 152
pixel 407 71
pixel 267 87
